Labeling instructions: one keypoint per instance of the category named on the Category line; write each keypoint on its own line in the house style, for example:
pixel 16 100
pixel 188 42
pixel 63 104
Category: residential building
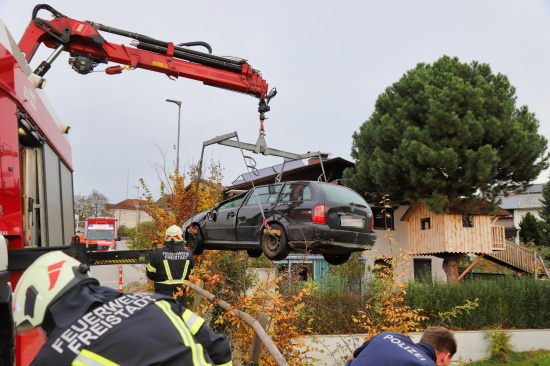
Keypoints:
pixel 519 205
pixel 129 212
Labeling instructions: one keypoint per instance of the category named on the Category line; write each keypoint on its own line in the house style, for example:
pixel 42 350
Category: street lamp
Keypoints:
pixel 137 209
pixel 178 145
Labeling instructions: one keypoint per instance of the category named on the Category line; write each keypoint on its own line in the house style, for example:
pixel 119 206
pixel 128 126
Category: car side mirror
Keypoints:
pixel 212 215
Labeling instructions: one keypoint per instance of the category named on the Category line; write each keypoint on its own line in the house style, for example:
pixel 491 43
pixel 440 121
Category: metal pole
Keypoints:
pixel 137 213
pixel 178 145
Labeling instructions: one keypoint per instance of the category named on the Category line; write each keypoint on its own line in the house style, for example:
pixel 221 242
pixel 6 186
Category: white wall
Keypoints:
pixel 401 237
pixel 472 346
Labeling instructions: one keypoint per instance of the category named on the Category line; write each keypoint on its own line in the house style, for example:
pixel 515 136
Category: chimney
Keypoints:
pixel 316 160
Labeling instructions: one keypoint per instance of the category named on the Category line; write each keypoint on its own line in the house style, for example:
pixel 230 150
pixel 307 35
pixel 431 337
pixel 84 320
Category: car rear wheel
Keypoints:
pixel 195 242
pixel 337 259
pixel 254 253
pixel 274 243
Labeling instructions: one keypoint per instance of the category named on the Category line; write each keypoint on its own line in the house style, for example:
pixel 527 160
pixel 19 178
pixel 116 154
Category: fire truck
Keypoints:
pixel 101 233
pixel 36 182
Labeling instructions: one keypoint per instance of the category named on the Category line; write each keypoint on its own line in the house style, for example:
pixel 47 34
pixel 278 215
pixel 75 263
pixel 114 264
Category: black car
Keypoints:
pixel 276 219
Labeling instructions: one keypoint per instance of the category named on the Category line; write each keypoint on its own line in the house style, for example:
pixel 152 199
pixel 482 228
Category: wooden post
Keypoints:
pixel 253 323
pixel 470 266
pixel 256 347
pixel 198 298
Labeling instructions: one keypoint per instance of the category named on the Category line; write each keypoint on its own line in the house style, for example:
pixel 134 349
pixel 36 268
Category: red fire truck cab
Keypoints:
pixel 101 232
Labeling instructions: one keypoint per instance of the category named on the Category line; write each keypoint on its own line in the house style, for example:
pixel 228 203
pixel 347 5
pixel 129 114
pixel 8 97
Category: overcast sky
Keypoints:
pixel 329 60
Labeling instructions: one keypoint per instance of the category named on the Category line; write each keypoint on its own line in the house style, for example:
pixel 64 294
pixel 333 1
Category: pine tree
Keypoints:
pixel 529 229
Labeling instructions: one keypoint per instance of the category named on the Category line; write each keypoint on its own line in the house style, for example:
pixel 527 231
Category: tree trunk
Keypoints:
pixel 450 265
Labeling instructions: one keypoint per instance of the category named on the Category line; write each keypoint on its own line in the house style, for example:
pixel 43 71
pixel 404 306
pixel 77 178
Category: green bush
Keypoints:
pixel 510 302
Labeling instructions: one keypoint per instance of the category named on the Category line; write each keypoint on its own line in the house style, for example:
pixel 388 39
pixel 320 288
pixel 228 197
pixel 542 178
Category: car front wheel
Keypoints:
pixel 274 243
pixel 337 259
pixel 195 242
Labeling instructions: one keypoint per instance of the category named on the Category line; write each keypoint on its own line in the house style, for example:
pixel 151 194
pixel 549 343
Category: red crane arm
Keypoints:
pixel 84 42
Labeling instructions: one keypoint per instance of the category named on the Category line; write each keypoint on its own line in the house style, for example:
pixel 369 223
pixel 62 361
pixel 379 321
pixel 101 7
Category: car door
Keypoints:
pixel 295 203
pixel 258 204
pixel 221 221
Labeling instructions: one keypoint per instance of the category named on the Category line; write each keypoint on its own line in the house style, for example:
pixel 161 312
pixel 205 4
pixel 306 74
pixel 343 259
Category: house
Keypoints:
pixel 519 204
pixel 129 212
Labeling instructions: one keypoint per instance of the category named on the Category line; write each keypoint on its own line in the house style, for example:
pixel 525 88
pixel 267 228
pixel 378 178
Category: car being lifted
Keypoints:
pixel 276 219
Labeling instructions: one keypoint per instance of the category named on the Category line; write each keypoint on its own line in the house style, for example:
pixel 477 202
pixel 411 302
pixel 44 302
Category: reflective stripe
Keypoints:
pixel 150 268
pixel 88 358
pixel 186 336
pixel 185 270
pixel 193 321
pixel 167 269
pixel 230 363
pixel 172 282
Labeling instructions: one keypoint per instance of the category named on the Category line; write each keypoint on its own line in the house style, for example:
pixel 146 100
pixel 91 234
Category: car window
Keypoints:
pixel 233 203
pixel 296 192
pixel 265 194
pixel 341 194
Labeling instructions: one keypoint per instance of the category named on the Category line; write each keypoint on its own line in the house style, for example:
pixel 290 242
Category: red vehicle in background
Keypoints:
pixel 101 231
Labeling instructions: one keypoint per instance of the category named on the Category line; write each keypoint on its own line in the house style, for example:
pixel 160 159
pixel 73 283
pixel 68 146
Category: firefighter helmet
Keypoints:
pixel 174 234
pixel 51 275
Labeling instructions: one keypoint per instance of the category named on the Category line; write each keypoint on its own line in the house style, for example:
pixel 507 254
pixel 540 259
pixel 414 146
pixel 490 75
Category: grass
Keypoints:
pixel 531 358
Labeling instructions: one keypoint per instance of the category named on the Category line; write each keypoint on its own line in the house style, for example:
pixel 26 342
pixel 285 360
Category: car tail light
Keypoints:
pixel 319 216
pixel 372 223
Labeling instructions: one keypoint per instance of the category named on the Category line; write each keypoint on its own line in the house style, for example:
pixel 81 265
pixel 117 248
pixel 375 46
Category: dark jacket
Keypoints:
pixel 170 266
pixel 391 349
pixel 99 325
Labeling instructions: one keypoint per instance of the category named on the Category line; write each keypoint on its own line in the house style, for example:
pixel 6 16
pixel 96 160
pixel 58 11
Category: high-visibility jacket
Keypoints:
pixel 389 349
pixel 127 329
pixel 170 266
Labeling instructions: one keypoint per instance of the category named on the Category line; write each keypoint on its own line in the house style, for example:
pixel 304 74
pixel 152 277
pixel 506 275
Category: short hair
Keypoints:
pixel 440 338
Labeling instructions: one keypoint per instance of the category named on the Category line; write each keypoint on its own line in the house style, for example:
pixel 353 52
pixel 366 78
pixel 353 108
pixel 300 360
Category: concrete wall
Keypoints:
pixel 334 349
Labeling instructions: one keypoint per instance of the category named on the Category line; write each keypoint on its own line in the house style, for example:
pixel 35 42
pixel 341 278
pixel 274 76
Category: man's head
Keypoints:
pixel 443 341
pixel 50 276
pixel 173 235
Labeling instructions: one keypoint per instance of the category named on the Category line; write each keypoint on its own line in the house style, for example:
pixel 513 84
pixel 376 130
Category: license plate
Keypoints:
pixel 346 221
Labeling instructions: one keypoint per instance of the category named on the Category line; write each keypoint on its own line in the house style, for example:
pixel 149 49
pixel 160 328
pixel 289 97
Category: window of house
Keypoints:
pixel 467 220
pixel 423 269
pixel 425 223
pixel 383 218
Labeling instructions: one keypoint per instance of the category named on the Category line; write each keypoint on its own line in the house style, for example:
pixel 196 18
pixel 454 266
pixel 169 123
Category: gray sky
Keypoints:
pixel 328 60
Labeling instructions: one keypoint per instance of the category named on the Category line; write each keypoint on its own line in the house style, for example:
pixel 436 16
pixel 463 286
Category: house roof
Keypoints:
pixel 127 204
pixel 476 208
pixel 333 169
pixel 528 199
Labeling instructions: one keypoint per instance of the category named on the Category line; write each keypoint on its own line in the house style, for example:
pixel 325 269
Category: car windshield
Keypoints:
pixel 100 235
pixel 344 195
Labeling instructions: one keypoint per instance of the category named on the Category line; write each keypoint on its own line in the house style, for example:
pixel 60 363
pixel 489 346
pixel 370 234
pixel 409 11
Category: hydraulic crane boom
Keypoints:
pixel 88 48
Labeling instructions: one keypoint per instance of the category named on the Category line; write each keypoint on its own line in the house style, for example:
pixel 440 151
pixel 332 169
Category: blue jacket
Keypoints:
pixel 393 349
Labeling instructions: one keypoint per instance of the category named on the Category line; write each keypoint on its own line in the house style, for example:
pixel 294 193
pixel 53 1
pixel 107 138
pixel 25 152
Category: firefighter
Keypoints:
pixel 171 266
pixel 89 324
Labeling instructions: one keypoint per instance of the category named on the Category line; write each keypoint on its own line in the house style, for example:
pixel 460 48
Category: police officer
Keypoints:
pixel 88 324
pixel 436 348
pixel 171 266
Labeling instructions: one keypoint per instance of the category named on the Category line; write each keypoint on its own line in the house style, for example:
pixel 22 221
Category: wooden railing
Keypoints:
pixel 517 256
pixel 498 237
